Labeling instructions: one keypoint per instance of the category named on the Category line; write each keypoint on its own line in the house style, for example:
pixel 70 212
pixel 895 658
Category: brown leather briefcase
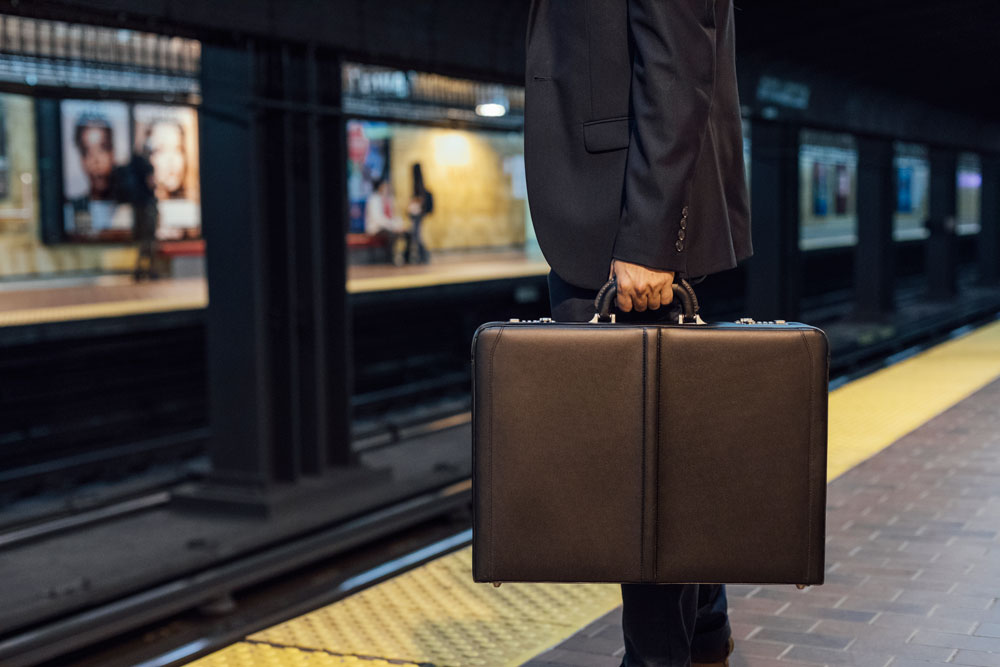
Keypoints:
pixel 649 453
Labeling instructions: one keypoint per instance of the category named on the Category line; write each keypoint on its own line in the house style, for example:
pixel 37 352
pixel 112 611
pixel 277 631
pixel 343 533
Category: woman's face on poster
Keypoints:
pixel 166 154
pixel 97 158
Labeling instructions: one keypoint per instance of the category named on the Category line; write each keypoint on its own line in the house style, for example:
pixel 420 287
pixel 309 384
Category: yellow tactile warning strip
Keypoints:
pixel 90 311
pixel 436 615
pixel 871 413
pixel 265 655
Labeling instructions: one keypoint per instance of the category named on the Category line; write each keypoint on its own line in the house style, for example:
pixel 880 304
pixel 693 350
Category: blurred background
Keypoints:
pixel 244 246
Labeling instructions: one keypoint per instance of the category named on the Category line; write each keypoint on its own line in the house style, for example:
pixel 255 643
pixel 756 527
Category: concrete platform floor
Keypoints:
pixel 913 564
pixel 913 557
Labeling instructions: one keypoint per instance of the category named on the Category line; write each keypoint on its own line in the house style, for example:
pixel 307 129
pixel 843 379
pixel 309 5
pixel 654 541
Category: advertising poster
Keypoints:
pixel 843 189
pixel 904 190
pixel 367 162
pixel 4 165
pixel 95 148
pixel 167 137
pixel 820 189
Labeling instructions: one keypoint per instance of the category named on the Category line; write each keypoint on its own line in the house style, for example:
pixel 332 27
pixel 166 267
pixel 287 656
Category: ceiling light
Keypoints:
pixel 491 110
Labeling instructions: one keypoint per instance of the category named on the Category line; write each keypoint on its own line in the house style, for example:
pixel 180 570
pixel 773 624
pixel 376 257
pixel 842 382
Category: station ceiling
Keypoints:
pixel 943 52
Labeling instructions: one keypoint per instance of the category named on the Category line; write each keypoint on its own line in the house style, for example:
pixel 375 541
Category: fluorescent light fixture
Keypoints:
pixel 491 110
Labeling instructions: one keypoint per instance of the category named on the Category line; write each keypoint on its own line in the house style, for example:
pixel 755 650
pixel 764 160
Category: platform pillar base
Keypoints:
pixel 241 498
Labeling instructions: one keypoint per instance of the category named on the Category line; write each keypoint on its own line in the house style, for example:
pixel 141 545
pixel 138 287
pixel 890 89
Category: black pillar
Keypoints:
pixel 942 247
pixel 989 233
pixel 874 256
pixel 773 271
pixel 274 209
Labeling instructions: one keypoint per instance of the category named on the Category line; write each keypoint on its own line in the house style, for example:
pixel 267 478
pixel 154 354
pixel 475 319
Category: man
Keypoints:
pixel 142 196
pixel 634 164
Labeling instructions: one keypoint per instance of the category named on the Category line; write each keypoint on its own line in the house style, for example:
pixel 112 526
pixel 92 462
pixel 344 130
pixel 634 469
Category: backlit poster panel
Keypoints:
pixel 167 136
pixel 4 167
pixel 820 189
pixel 367 163
pixel 843 189
pixel 904 190
pixel 95 147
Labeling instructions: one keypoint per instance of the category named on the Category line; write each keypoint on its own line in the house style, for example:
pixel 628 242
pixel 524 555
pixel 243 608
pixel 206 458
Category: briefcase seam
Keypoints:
pixel 809 464
pixel 493 350
pixel 656 483
pixel 642 468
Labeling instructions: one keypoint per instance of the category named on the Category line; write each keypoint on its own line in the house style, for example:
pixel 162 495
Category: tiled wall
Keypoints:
pixel 22 252
pixel 476 179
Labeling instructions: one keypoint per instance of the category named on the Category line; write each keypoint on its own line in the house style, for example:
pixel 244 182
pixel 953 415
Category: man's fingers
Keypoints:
pixel 626 294
pixel 653 302
pixel 624 302
pixel 667 295
pixel 639 302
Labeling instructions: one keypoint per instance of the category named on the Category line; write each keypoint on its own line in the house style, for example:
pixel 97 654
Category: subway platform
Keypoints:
pixel 913 573
pixel 84 298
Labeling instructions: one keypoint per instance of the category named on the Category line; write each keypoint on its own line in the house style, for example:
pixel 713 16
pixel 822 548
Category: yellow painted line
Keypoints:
pixel 871 413
pixel 90 311
pixel 436 614
pixel 468 273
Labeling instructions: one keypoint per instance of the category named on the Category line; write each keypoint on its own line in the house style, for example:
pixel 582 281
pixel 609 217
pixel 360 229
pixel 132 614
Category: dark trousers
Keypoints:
pixel 665 625
pixel 146 217
pixel 417 252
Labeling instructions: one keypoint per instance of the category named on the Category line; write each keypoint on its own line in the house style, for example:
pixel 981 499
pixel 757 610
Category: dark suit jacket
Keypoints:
pixel 633 137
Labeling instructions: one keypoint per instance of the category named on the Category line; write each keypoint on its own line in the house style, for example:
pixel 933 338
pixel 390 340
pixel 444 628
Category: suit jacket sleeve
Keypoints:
pixel 673 73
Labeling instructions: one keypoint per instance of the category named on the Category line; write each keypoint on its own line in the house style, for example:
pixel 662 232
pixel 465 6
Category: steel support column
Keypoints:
pixel 989 233
pixel 942 246
pixel 273 158
pixel 773 272
pixel 874 255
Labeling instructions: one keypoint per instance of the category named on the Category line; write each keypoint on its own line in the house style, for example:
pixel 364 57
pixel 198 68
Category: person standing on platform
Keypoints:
pixel 134 185
pixel 421 204
pixel 382 222
pixel 634 165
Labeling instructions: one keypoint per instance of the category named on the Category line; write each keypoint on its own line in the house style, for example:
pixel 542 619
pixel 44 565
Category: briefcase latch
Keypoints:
pixel 496 584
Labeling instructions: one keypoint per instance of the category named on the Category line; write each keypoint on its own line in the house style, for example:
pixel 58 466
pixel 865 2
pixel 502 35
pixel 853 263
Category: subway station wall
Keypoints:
pixel 22 251
pixel 95 231
pixel 476 178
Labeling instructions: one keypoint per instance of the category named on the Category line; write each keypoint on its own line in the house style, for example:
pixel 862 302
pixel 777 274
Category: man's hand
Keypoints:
pixel 642 288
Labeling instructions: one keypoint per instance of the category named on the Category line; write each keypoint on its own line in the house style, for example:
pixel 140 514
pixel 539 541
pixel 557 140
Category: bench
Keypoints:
pixel 375 247
pixel 191 248
pixel 182 259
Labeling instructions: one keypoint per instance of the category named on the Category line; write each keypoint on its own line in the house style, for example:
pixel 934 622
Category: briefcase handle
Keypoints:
pixel 683 293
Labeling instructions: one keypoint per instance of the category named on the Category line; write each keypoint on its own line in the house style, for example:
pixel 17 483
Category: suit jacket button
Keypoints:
pixel 684 223
pixel 679 245
pixel 684 211
pixel 681 234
